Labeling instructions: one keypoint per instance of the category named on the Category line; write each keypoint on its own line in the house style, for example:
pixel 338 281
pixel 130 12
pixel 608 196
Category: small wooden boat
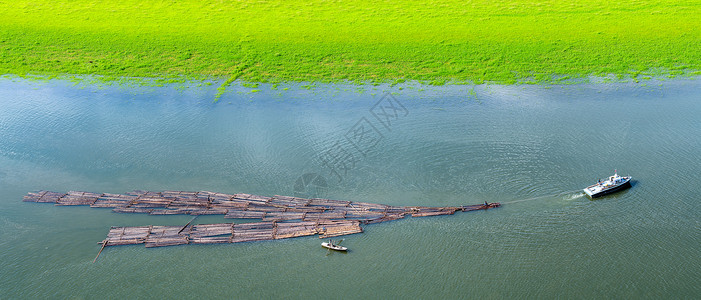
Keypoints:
pixel 330 245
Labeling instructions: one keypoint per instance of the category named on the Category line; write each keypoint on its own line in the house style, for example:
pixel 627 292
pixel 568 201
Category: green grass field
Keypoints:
pixel 359 41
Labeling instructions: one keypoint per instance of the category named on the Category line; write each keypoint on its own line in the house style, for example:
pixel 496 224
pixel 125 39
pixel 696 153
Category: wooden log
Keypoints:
pixel 123 242
pixel 257 198
pixel 244 238
pixel 48 197
pixel 260 200
pixel 210 211
pixel 388 217
pixel 137 194
pixel 324 215
pixel 283 216
pixel 188 224
pixel 264 208
pixel 113 200
pixel 302 231
pixel 242 196
pixel 160 212
pixel 34 197
pixel 288 201
pixel 256 225
pixel 149 204
pixel 253 232
pixel 186 210
pixel 479 206
pixel 341 229
pixel 127 235
pixel 304 209
pixel 332 215
pixel 151 201
pixel 295 229
pixel 188 202
pixel 140 232
pixel 165 236
pixel 211 230
pixel 396 210
pixel 365 205
pixel 164 231
pixel 328 203
pixel 364 214
pixel 283 225
pixel 104 243
pixel 202 197
pixel 77 198
pixel 210 240
pixel 132 210
pixel 235 203
pixel 430 213
pixel 170 195
pixel 215 196
pixel 245 214
pixel 163 242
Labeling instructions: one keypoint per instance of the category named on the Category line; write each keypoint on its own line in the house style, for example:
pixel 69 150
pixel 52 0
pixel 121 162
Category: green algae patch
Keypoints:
pixel 352 41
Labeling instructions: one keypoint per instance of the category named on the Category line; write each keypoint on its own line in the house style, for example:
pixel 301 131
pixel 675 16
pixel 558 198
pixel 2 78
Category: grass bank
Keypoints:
pixel 389 41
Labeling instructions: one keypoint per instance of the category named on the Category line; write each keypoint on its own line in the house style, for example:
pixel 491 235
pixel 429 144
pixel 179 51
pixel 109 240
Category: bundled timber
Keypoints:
pixel 160 236
pixel 280 217
pixel 243 206
pixel 433 211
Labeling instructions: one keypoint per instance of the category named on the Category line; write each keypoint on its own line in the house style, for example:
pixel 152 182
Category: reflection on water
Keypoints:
pixel 530 147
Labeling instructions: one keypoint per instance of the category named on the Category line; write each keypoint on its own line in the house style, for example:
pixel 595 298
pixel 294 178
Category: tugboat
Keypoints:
pixel 613 184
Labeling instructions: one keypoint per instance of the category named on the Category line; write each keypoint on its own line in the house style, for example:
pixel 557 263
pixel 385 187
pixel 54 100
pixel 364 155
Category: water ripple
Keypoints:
pixel 532 148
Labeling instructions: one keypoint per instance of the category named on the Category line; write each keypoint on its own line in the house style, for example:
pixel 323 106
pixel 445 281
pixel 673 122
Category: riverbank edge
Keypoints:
pixel 222 83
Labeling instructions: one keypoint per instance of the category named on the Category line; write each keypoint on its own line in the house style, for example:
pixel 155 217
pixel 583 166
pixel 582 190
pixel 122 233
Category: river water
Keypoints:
pixel 532 148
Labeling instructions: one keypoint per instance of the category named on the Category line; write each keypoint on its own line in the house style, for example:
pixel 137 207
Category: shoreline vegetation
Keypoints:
pixel 444 42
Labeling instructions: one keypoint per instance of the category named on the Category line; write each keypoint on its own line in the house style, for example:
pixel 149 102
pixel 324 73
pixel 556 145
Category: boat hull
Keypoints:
pixel 614 189
pixel 333 247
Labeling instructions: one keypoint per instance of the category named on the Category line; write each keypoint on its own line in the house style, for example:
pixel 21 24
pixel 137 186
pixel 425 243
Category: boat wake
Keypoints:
pixel 569 195
pixel 573 196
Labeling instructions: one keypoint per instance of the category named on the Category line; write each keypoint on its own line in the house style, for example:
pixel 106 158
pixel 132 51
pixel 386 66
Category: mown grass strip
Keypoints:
pixel 358 41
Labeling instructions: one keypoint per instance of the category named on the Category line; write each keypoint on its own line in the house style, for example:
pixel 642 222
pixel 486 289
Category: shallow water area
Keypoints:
pixel 532 148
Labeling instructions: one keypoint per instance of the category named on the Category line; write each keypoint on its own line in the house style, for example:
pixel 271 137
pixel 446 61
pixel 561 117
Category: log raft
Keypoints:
pixel 279 217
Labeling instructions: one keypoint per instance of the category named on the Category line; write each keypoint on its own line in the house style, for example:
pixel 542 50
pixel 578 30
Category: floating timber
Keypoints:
pixel 159 236
pixel 280 216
